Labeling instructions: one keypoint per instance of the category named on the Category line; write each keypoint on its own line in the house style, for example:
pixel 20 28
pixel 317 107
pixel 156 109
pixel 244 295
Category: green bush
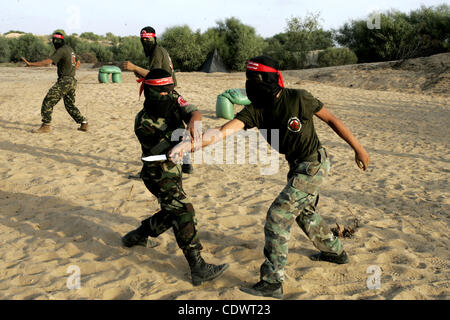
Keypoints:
pixel 90 36
pixel 5 52
pixel 130 49
pixel 30 47
pixel 87 57
pixel 336 57
pixel 240 43
pixel 303 34
pixel 421 32
pixel 184 47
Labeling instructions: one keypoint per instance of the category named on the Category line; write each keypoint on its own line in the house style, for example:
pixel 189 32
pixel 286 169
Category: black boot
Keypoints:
pixel 200 270
pixel 265 289
pixel 331 257
pixel 136 237
pixel 187 168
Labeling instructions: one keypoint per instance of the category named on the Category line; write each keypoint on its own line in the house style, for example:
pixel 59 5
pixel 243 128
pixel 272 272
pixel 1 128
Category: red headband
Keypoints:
pixel 145 34
pixel 258 67
pixel 154 82
pixel 58 36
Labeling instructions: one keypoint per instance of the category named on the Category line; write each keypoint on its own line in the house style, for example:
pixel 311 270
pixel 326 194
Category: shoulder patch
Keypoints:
pixel 182 102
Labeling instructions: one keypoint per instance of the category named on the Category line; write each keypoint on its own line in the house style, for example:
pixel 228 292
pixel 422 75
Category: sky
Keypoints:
pixel 123 18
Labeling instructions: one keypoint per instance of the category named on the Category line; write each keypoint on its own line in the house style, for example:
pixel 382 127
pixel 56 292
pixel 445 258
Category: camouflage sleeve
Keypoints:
pixel 186 109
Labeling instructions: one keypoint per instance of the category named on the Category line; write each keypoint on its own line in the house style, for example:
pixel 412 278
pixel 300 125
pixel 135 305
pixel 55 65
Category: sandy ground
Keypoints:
pixel 65 199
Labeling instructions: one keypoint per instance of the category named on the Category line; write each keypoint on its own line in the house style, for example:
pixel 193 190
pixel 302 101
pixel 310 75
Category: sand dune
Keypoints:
pixel 65 199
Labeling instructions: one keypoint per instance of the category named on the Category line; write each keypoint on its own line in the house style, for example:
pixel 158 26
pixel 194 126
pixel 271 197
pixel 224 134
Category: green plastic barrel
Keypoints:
pixel 105 71
pixel 116 78
pixel 110 69
pixel 224 108
pixel 103 77
pixel 237 96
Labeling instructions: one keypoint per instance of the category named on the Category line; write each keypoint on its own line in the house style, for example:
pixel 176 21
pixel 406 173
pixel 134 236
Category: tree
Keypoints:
pixel 336 57
pixel 130 49
pixel 30 47
pixel 241 43
pixel 90 36
pixel 184 47
pixel 303 34
pixel 5 52
pixel 401 36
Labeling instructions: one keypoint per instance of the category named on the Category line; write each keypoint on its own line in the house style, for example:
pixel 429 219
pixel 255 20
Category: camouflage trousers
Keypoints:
pixel 298 201
pixel 163 180
pixel 64 88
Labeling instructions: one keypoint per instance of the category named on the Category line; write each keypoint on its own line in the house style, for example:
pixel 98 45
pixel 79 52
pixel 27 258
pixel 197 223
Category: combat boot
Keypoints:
pixel 200 270
pixel 83 127
pixel 138 237
pixel 187 168
pixel 331 257
pixel 265 289
pixel 45 128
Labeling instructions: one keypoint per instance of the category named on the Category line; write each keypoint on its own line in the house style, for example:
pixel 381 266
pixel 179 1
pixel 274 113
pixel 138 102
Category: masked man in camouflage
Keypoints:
pixel 158 58
pixel 67 63
pixel 290 112
pixel 165 113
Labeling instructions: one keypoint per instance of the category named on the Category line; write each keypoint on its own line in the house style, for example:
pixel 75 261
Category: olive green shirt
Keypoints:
pixel 65 60
pixel 292 115
pixel 160 59
pixel 155 135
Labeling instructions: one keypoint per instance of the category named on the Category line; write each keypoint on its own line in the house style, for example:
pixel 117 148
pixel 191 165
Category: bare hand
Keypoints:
pixel 176 153
pixel 128 66
pixel 196 134
pixel 362 159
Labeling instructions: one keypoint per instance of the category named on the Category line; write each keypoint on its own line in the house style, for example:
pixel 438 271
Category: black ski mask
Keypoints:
pixel 157 105
pixel 264 81
pixel 148 40
pixel 58 40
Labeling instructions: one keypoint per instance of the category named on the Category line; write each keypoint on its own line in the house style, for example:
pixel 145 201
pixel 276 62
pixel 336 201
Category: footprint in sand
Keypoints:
pixel 118 294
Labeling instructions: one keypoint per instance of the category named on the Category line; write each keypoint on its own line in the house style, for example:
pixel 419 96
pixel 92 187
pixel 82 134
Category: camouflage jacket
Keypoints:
pixel 155 135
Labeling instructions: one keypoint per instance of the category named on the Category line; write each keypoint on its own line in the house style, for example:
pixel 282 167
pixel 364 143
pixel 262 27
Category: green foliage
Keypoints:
pixel 130 49
pixel 5 52
pixel 30 47
pixel 336 57
pixel 13 31
pixel 302 35
pixel 422 32
pixel 87 57
pixel 240 43
pixel 90 36
pixel 184 47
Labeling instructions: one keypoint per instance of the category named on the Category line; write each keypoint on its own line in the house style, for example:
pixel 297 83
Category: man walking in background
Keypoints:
pixel 158 58
pixel 67 63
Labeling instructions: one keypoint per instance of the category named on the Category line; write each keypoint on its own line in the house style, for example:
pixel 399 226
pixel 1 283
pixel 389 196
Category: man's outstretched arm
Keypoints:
pixel 361 156
pixel 211 136
pixel 138 71
pixel 42 63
